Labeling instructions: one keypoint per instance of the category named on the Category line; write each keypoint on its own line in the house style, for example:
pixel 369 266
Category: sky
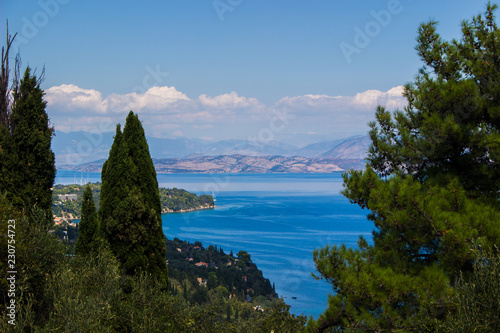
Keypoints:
pixel 294 71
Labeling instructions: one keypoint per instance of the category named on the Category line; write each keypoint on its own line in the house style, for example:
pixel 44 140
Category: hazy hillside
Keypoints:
pixel 244 147
pixel 87 151
pixel 234 164
pixel 354 148
pixel 318 148
pixel 176 148
pixel 81 147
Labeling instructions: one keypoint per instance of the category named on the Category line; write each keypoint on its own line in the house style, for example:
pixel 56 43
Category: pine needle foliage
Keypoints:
pixel 432 185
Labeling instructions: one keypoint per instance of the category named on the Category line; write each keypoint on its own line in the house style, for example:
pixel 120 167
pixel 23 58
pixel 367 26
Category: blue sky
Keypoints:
pixel 226 69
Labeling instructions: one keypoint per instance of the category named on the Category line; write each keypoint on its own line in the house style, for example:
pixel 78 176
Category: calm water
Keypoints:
pixel 278 218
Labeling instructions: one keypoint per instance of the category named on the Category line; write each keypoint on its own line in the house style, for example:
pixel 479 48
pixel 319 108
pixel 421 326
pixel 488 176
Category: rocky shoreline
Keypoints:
pixel 202 207
pixel 164 211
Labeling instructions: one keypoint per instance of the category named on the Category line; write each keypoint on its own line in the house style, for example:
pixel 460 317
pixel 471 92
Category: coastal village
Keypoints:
pixel 66 217
pixel 66 201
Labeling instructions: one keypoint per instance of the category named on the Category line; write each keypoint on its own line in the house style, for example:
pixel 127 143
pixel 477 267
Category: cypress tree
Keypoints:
pixel 147 185
pixel 130 208
pixel 145 173
pixel 28 163
pixel 115 177
pixel 88 229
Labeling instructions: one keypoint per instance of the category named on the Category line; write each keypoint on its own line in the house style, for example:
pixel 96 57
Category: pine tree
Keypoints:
pixel 432 185
pixel 130 208
pixel 478 297
pixel 87 242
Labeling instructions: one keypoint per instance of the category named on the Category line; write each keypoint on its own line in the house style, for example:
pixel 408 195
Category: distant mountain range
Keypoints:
pixel 352 148
pixel 238 164
pixel 84 151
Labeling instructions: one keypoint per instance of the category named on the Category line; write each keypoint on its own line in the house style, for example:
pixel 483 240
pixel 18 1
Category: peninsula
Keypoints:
pixel 67 199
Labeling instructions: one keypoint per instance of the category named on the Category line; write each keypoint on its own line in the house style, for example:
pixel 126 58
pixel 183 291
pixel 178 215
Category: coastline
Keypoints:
pixel 202 207
pixel 164 211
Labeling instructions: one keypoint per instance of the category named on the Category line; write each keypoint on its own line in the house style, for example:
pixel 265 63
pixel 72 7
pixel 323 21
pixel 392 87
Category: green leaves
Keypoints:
pixel 130 208
pixel 477 297
pixel 88 239
pixel 432 185
pixel 26 159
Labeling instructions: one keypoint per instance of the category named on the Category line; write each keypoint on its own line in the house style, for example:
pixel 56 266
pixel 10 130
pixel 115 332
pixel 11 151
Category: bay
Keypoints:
pixel 279 219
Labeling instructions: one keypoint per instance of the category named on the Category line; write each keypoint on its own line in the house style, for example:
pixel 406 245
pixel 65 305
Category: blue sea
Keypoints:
pixel 279 219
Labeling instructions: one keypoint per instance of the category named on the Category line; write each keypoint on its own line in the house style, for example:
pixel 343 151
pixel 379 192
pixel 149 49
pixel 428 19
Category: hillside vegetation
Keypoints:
pixel 172 200
pixel 431 185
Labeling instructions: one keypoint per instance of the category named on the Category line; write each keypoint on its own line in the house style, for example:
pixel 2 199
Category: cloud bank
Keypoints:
pixel 167 112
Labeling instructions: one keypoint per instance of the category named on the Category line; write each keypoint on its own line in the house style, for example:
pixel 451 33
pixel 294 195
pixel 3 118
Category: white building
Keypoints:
pixel 67 197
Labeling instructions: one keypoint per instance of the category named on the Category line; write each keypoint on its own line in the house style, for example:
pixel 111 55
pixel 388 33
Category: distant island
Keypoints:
pixel 67 200
pixel 240 164
pixel 227 156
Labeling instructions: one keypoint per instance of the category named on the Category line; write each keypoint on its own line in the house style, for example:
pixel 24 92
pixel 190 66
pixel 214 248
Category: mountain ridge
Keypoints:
pixel 239 164
pixel 84 151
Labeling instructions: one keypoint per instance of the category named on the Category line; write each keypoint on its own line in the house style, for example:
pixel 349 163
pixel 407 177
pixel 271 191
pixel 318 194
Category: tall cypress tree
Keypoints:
pixel 145 178
pixel 115 176
pixel 130 208
pixel 28 169
pixel 88 229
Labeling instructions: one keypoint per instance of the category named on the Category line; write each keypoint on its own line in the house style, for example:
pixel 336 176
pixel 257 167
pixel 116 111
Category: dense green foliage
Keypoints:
pixel 235 276
pixel 63 208
pixel 90 293
pixel 130 209
pixel 172 200
pixel 88 239
pixel 26 159
pixel 477 297
pixel 177 200
pixel 37 254
pixel 432 185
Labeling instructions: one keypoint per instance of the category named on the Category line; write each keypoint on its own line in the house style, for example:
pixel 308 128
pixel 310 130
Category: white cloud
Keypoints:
pixel 154 99
pixel 165 111
pixel 391 99
pixel 363 101
pixel 69 97
pixel 228 101
pixel 73 98
pixel 349 115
